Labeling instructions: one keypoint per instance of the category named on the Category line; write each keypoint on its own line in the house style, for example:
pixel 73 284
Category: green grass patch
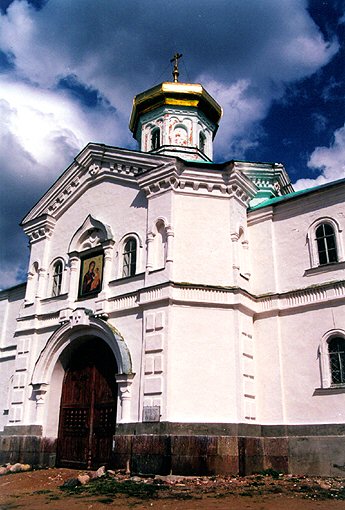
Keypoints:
pixel 109 487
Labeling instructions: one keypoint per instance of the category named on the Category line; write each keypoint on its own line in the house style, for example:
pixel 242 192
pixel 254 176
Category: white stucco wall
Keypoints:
pixel 203 380
pixel 279 244
pixel 202 242
pixel 11 301
pixel 288 367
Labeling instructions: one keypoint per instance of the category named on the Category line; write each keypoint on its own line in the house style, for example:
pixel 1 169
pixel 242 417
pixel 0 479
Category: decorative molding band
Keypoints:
pixel 124 302
pixel 302 297
pixel 339 289
pixel 153 294
pixel 35 322
pixel 203 295
pixel 65 193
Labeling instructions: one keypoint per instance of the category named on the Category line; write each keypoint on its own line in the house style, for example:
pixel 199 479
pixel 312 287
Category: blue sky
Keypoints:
pixel 69 71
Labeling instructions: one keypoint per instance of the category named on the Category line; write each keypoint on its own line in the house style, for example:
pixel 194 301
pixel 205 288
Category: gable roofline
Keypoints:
pixel 91 152
pixel 296 194
pixel 94 154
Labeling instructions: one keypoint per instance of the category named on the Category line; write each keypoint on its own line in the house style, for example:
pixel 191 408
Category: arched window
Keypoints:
pixel 202 141
pixel 180 135
pixel 160 245
pixel 243 254
pixel 129 257
pixel 155 138
pixel 57 278
pixel 326 244
pixel 32 285
pixel 336 350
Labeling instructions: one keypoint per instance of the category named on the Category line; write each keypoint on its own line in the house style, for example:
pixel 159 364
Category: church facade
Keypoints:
pixel 179 315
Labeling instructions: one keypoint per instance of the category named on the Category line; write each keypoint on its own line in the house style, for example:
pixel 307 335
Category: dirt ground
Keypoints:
pixel 37 490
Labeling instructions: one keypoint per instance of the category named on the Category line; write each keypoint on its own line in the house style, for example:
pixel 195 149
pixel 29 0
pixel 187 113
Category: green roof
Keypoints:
pixel 295 194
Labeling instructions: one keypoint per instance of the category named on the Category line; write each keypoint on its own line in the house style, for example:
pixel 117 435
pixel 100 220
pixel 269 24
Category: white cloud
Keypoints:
pixel 41 131
pixel 241 112
pixel 330 161
pixel 245 53
pixel 50 126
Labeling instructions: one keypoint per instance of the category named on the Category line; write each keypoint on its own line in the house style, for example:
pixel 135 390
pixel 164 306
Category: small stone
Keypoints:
pixel 100 471
pixel 175 478
pixel 171 479
pixel 4 470
pixel 135 479
pixel 324 485
pixel 159 479
pixel 16 468
pixel 25 467
pixel 71 483
pixel 111 472
pixel 83 479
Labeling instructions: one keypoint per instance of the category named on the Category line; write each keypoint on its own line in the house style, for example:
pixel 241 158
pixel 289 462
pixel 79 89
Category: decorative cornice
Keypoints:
pixel 271 179
pixel 40 228
pixel 231 297
pixel 95 163
pixel 260 215
pixel 182 178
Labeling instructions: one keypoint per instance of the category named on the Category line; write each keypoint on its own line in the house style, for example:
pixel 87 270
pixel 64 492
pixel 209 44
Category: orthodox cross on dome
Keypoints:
pixel 175 59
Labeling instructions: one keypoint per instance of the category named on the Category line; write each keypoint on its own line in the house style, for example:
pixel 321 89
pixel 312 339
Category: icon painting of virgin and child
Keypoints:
pixel 92 277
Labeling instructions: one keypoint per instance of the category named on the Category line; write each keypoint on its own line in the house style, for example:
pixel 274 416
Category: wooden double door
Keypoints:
pixel 88 407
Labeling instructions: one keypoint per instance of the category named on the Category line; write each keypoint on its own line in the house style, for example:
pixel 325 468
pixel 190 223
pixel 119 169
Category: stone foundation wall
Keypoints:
pixel 25 444
pixel 187 449
pixel 33 450
pixel 311 450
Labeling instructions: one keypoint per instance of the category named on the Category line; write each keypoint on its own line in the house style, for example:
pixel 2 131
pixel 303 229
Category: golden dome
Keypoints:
pixel 174 94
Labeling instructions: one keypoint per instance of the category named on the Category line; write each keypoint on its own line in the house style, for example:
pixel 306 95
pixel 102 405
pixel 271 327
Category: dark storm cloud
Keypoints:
pixel 71 69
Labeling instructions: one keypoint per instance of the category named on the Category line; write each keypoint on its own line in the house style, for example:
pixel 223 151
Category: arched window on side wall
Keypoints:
pixel 336 350
pixel 202 141
pixel 129 257
pixel 326 244
pixel 160 245
pixel 57 278
pixel 180 135
pixel 32 285
pixel 155 138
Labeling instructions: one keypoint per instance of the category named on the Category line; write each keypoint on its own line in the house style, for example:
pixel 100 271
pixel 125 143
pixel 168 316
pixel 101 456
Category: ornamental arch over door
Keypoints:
pixel 59 358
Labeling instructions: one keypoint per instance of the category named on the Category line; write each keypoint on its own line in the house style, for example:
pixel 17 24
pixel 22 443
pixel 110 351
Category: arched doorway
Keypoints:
pixel 88 406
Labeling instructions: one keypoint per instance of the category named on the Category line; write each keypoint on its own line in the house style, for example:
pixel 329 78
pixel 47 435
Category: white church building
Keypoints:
pixel 179 316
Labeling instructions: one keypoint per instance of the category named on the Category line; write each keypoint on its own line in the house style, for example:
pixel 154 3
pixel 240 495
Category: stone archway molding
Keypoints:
pixel 81 322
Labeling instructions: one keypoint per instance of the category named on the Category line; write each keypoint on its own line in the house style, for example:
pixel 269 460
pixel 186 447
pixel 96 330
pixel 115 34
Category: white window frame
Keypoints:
pixel 121 249
pixel 55 274
pixel 325 365
pixel 51 274
pixel 129 254
pixel 312 243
